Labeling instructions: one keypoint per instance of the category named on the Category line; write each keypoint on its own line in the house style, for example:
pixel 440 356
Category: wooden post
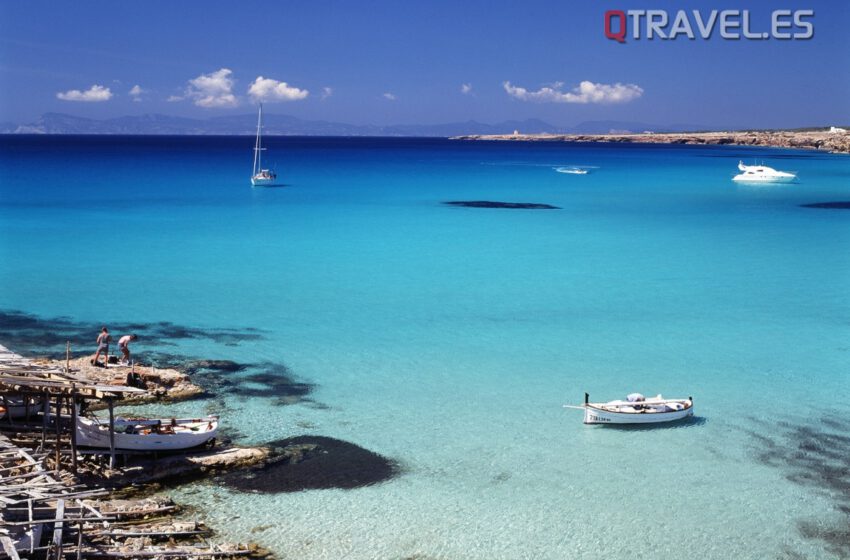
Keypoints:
pixel 31 532
pixel 45 401
pixel 57 419
pixel 111 433
pixel 80 536
pixel 9 409
pixel 74 429
pixel 68 356
pixel 57 528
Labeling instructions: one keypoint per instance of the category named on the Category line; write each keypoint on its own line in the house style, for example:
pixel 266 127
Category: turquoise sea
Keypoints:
pixel 447 339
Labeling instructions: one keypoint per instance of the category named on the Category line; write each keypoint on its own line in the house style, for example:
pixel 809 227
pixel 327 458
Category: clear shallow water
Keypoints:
pixel 448 338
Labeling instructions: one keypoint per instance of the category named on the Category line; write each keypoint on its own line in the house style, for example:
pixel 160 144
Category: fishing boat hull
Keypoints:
pixel 149 436
pixel 20 407
pixel 593 415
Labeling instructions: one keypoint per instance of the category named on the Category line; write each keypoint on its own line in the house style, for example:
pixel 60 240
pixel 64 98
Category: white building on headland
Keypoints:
pixel 836 130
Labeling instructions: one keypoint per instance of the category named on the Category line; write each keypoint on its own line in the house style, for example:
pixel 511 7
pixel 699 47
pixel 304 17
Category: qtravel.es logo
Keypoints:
pixel 621 25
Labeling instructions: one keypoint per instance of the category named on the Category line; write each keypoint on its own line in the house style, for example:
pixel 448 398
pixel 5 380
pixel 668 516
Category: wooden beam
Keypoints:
pixel 111 433
pixel 74 431
pixel 58 420
pixel 45 401
pixel 9 548
pixel 57 529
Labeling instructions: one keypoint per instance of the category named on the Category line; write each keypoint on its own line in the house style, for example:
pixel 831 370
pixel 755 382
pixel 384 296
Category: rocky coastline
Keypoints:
pixel 834 142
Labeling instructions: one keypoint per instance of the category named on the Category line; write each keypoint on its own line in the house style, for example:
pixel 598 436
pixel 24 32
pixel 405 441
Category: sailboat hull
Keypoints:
pixel 262 182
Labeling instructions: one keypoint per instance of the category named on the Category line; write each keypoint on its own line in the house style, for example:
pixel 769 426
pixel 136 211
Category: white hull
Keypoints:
pixel 148 435
pixel 593 415
pixel 571 170
pixel 762 174
pixel 262 182
pixel 752 178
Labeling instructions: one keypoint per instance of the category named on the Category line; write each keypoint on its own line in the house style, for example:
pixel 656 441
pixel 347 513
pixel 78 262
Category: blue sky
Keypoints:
pixel 391 62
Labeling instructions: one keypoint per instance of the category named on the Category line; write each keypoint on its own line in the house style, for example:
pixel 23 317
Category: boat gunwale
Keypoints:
pixel 598 406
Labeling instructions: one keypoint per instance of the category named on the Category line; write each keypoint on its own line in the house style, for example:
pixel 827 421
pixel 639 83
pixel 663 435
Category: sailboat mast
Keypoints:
pixel 257 148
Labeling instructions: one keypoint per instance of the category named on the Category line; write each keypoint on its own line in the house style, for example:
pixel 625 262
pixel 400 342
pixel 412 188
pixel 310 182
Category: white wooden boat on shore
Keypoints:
pixel 170 434
pixel 638 410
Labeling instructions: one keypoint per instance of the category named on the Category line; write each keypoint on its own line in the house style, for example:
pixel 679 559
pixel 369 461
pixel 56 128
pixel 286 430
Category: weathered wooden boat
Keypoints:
pixel 20 406
pixel 636 410
pixel 171 434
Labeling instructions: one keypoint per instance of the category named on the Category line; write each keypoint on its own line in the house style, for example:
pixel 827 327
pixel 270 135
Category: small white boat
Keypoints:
pixel 636 409
pixel 261 177
pixel 571 170
pixel 170 434
pixel 762 174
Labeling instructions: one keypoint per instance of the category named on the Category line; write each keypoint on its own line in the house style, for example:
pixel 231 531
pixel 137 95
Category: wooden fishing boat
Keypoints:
pixel 20 406
pixel 636 410
pixel 171 434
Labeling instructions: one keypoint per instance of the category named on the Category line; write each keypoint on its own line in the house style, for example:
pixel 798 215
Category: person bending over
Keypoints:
pixel 124 346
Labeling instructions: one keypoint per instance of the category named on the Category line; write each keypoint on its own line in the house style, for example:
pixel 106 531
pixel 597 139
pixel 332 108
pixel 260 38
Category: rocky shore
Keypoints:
pixel 29 454
pixel 160 383
pixel 835 142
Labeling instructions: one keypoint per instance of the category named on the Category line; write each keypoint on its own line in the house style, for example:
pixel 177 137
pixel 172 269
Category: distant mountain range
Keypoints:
pixel 286 125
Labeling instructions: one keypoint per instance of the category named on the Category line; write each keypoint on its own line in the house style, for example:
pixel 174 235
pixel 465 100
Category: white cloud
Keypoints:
pixel 136 92
pixel 327 92
pixel 94 93
pixel 173 98
pixel 390 96
pixel 586 92
pixel 466 89
pixel 212 90
pixel 266 89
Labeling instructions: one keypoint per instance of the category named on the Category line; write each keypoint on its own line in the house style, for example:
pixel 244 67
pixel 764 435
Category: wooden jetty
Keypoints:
pixel 46 512
pixel 34 389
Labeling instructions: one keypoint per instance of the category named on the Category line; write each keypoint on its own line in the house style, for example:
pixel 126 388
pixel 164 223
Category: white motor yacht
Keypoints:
pixel 762 174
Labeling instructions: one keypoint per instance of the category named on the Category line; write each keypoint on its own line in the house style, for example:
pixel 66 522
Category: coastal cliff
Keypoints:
pixel 835 142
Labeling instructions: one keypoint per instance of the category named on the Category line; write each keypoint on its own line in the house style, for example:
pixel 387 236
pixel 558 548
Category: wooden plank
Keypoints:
pixel 111 405
pixel 166 554
pixel 80 531
pixel 58 520
pixel 9 548
pixel 57 528
pixel 74 431
pixel 84 505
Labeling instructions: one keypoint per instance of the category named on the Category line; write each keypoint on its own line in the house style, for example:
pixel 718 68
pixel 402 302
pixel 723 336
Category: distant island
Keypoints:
pixel 835 140
pixel 830 139
pixel 275 124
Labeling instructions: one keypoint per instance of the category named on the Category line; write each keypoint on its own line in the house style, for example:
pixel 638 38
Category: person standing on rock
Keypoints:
pixel 103 340
pixel 123 345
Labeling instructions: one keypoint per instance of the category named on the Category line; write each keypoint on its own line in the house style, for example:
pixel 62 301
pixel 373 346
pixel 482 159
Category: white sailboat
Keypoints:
pixel 261 177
